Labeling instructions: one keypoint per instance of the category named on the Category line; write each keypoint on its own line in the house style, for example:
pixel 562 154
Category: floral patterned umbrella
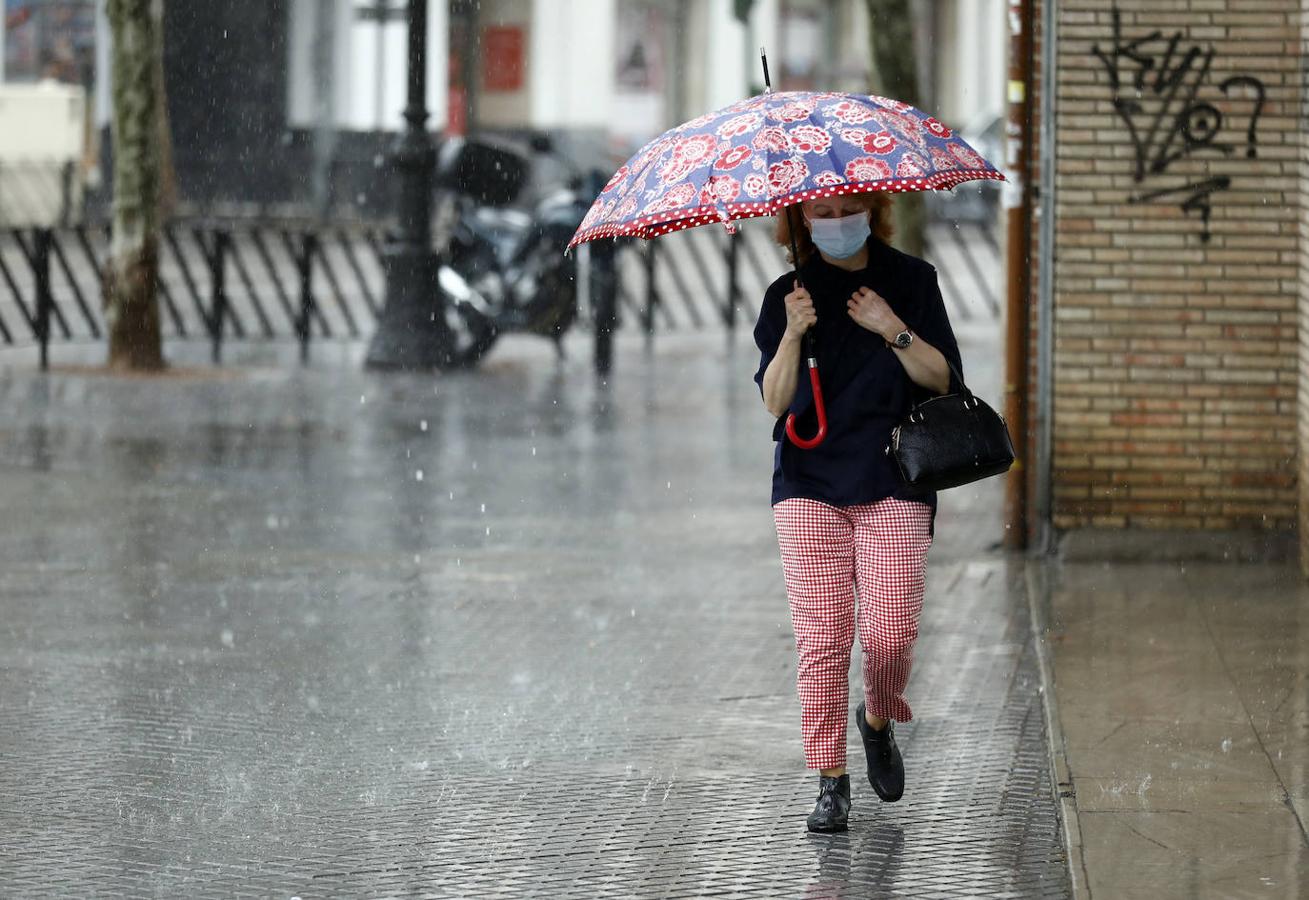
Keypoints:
pixel 773 150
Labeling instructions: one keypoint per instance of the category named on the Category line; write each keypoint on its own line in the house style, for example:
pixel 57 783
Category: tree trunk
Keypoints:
pixel 895 75
pixel 132 275
pixel 167 171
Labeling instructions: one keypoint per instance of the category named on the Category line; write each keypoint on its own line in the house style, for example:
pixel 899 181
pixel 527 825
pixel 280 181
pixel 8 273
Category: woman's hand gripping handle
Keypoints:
pixel 800 319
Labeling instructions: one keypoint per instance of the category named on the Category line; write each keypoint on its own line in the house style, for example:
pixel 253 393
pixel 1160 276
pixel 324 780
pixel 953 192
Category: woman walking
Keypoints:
pixel 847 526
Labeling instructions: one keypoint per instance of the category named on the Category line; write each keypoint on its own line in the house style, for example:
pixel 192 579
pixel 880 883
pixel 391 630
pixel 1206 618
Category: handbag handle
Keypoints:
pixel 958 377
pixel 968 394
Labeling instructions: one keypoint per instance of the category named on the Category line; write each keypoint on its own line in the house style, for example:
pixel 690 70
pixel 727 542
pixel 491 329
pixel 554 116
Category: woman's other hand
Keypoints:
pixel 800 315
pixel 868 309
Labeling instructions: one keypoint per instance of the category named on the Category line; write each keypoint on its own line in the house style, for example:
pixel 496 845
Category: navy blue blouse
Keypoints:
pixel 865 388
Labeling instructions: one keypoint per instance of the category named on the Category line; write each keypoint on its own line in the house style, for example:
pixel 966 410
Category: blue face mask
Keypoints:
pixel 840 238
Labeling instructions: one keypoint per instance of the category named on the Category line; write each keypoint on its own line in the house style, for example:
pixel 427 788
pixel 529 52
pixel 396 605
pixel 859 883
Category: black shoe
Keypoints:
pixel 833 807
pixel 885 766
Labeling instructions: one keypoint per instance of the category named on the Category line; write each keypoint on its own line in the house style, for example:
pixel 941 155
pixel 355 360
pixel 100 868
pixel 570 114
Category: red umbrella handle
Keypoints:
pixel 810 443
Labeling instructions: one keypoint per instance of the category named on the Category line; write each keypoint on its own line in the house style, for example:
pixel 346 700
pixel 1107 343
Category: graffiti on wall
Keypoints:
pixel 1165 93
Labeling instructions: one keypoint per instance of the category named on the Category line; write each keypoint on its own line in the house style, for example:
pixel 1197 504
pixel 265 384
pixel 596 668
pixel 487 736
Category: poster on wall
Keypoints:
pixel 502 58
pixel 639 74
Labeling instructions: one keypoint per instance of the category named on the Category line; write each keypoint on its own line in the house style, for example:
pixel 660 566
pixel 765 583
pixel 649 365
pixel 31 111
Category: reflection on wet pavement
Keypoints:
pixel 508 633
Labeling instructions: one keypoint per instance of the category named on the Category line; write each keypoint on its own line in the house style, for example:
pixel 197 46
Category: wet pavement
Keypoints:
pixel 1183 726
pixel 274 632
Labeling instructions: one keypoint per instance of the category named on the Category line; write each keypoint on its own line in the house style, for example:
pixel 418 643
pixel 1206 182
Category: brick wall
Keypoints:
pixel 1176 358
pixel 1303 471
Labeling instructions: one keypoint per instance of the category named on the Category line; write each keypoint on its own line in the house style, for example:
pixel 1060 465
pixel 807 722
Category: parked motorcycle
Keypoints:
pixel 502 267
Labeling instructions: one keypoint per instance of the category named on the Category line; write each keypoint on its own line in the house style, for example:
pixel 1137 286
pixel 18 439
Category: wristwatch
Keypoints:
pixel 903 339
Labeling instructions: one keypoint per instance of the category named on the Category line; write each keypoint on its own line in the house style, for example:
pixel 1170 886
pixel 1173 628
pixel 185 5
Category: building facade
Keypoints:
pixel 313 89
pixel 1175 282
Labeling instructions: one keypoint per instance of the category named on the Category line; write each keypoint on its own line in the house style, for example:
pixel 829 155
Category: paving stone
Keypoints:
pixel 248 651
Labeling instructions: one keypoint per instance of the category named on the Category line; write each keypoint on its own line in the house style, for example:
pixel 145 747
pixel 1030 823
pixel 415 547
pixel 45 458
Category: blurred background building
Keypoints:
pixel 289 103
pixel 1169 374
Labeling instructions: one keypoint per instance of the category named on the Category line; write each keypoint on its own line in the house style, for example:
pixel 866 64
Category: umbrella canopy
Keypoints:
pixel 773 150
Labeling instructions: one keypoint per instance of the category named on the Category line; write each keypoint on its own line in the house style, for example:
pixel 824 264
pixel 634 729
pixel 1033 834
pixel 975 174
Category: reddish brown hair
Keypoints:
pixel 878 202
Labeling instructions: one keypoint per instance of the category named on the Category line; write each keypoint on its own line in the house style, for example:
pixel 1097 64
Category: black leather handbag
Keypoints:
pixel 951 440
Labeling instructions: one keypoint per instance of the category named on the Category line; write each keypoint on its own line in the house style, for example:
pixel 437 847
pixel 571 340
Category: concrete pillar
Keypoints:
pixel 571 63
pixel 728 57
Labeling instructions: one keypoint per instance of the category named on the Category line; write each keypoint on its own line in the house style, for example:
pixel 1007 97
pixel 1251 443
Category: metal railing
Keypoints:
pixel 261 280
pixel 699 277
pixel 217 282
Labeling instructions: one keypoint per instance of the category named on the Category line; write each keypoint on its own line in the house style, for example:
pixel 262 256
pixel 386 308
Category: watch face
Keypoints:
pixel 903 339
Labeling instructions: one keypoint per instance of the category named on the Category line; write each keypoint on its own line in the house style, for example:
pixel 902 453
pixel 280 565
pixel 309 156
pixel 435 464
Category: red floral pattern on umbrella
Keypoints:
pixel 967 156
pixel 792 110
pixel 810 139
pixel 752 158
pixel 855 137
pixel 720 189
pixel 867 168
pixel 783 177
pixel 771 139
pixel 943 161
pixel 888 103
pixel 675 198
pixel 911 165
pixel 881 143
pixel 677 168
pixel 739 125
pixel 937 128
pixel 732 158
pixel 849 113
pixel 697 147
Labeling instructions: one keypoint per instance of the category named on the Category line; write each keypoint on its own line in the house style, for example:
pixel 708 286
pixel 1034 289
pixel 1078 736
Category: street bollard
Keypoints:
pixel 733 288
pixel 604 301
pixel 305 265
pixel 67 173
pixel 218 305
pixel 41 239
pixel 651 291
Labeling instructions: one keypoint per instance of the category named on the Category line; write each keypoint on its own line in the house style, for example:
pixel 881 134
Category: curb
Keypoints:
pixel 1037 578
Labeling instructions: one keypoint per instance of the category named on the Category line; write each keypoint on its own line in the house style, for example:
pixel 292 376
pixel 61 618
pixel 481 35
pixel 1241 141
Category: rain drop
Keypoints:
pixel 422 426
pixel 419 475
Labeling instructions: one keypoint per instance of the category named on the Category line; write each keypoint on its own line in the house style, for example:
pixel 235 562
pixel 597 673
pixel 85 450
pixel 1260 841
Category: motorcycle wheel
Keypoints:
pixel 553 309
pixel 471 331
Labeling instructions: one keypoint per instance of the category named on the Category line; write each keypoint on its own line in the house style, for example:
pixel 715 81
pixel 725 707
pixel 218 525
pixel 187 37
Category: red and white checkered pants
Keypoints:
pixel 828 553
